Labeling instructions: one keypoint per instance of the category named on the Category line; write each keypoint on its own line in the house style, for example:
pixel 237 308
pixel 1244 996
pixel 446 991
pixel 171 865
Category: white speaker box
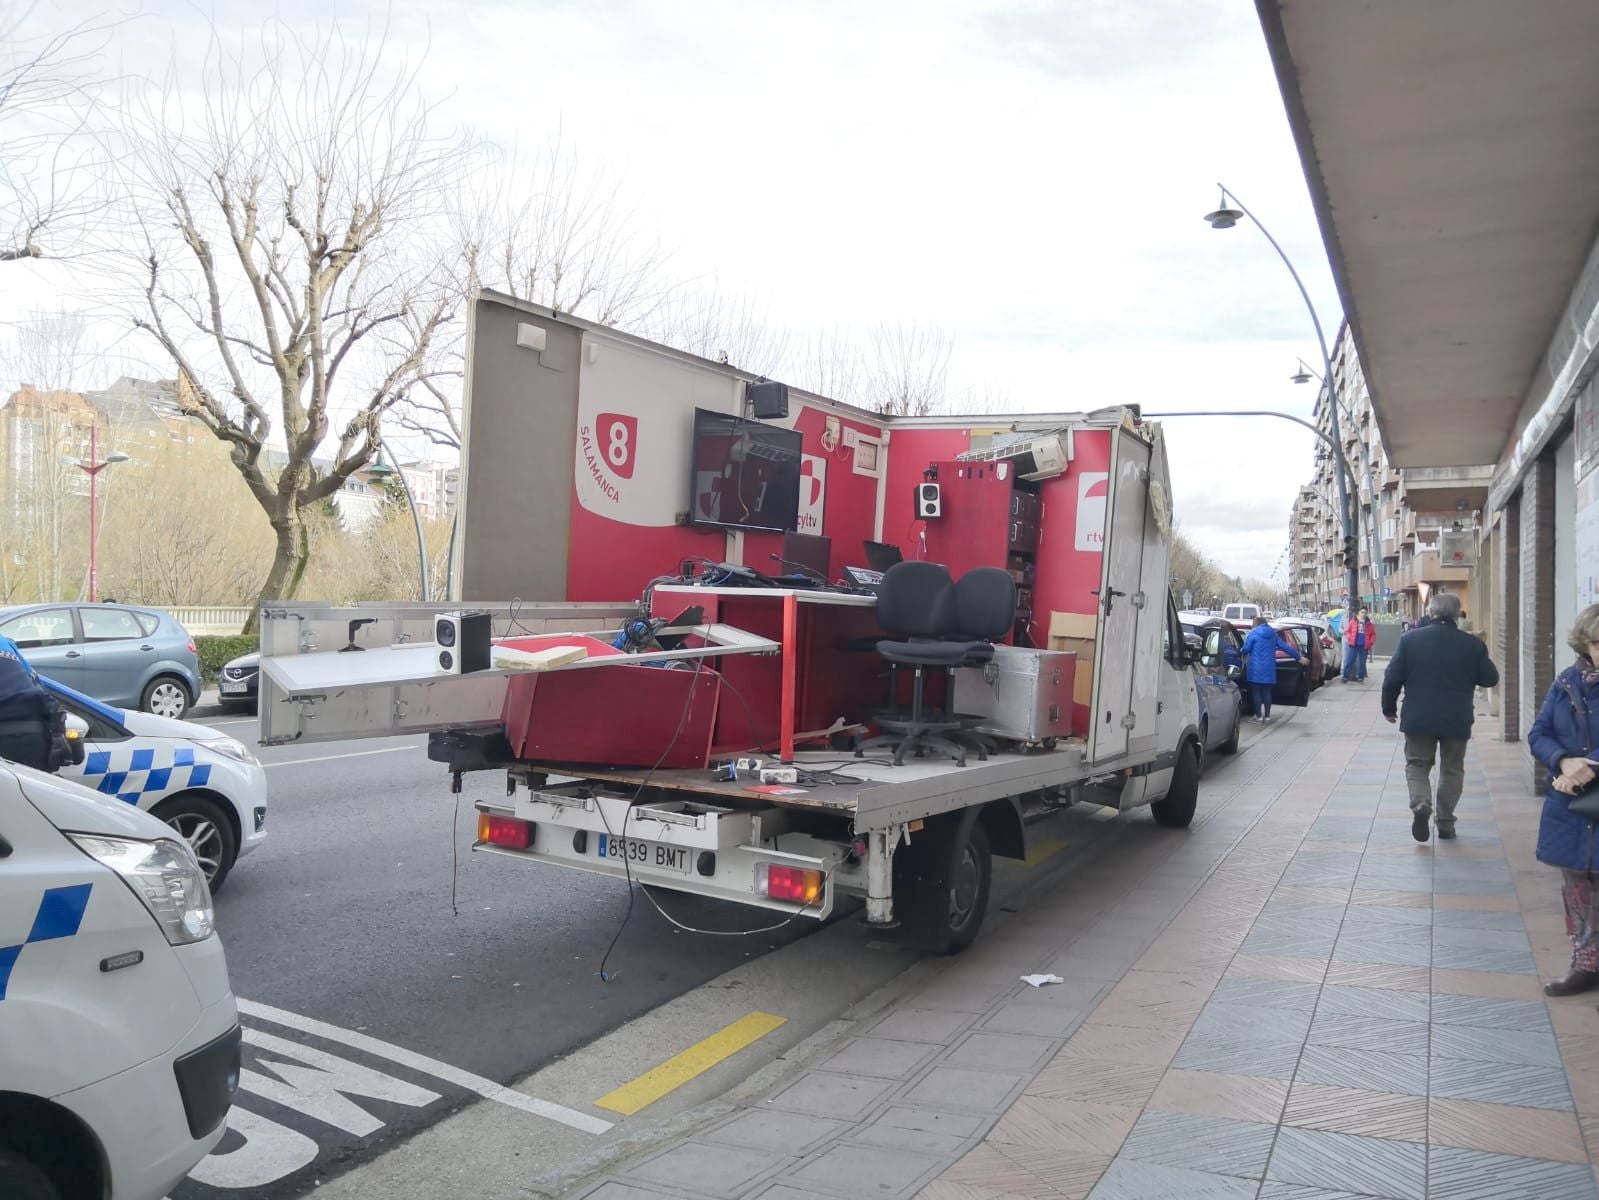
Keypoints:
pixel 461 642
pixel 929 501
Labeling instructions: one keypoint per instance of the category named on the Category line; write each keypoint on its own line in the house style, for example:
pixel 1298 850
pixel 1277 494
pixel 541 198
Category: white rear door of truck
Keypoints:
pixel 1131 611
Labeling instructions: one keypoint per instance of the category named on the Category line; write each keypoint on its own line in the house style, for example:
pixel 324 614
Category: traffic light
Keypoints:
pixel 1351 551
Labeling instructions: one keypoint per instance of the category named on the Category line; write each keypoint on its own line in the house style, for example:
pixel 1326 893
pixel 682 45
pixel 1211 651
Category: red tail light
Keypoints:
pixel 504 831
pixel 794 884
pixel 192 647
pixel 1326 642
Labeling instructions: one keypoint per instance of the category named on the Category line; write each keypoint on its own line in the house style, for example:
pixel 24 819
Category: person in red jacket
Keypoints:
pixel 1360 635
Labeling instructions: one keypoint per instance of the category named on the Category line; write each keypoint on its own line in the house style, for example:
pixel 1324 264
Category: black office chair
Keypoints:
pixel 917 602
pixel 985 611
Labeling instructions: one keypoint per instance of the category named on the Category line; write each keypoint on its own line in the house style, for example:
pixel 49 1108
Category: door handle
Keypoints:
pixel 73 654
pixel 147 647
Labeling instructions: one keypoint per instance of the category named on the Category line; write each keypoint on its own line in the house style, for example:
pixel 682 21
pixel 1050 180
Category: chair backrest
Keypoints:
pixel 985 603
pixel 917 599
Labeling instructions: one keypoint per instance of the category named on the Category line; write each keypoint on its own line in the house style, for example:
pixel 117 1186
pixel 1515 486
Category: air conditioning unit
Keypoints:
pixel 1041 458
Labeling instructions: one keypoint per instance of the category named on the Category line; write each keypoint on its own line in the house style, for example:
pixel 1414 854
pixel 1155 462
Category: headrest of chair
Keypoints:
pixel 917 599
pixel 985 603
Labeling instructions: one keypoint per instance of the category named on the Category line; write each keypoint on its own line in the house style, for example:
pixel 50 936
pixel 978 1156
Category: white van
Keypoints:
pixel 1239 614
pixel 119 1036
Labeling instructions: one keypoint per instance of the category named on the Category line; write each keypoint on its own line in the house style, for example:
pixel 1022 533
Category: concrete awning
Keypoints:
pixel 1452 152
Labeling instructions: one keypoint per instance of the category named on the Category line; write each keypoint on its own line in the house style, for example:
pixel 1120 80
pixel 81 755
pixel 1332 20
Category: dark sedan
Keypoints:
pixel 239 684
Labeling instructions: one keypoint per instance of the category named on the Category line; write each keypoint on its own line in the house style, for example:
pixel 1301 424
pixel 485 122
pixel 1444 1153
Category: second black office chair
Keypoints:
pixel 918 602
pixel 985 611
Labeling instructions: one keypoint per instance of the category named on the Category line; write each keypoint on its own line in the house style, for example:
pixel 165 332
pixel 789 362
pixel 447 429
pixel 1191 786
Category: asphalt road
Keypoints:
pixel 375 1003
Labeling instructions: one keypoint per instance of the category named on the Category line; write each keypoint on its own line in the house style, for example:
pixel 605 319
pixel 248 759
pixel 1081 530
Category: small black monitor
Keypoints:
pixel 880 556
pixel 809 554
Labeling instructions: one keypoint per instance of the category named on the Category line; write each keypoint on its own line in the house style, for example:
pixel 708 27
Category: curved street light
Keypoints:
pixel 381 470
pixel 1226 215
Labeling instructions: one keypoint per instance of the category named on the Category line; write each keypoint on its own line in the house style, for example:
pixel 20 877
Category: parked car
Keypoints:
pixel 1216 676
pixel 205 785
pixel 239 684
pixel 1332 646
pixel 124 655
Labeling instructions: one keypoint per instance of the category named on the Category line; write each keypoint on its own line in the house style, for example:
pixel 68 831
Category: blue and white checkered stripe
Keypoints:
pixel 136 775
pixel 60 914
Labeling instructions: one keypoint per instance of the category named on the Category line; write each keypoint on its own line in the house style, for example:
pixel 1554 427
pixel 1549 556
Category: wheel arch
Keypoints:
pixel 57 1141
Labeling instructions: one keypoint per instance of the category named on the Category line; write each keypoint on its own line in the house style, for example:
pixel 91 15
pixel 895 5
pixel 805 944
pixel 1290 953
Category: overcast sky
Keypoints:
pixel 1030 176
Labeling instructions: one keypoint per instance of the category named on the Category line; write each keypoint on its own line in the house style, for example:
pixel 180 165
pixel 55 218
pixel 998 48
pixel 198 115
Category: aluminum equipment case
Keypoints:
pixel 1022 694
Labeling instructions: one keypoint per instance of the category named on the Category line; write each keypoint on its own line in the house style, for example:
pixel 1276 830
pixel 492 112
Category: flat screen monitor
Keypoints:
pixel 746 474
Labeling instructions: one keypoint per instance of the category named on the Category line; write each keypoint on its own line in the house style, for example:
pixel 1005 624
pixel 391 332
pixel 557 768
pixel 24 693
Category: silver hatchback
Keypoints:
pixel 125 655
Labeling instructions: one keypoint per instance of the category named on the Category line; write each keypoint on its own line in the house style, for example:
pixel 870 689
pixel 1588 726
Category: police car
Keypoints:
pixel 119 1033
pixel 206 785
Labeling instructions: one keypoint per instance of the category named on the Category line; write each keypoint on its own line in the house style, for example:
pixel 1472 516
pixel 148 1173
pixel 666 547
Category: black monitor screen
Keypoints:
pixel 746 474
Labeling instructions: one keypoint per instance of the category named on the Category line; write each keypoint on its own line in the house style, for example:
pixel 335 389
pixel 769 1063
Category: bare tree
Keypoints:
pixel 47 101
pixel 302 286
pixel 907 369
pixel 548 229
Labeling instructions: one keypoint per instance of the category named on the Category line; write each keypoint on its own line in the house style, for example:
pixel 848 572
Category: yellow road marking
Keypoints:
pixel 1039 851
pixel 696 1060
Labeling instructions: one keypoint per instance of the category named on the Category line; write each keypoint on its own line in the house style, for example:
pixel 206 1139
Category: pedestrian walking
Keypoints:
pixel 32 725
pixel 1438 667
pixel 1562 739
pixel 1360 635
pixel 1260 670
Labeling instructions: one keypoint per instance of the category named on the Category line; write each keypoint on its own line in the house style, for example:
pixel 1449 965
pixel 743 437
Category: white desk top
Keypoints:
pixel 803 595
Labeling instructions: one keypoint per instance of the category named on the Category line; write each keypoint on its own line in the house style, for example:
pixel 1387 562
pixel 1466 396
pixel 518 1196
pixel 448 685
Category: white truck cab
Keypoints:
pixel 119 1035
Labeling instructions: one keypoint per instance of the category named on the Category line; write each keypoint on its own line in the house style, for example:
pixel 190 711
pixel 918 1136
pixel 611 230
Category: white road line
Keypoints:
pixel 294 762
pixel 486 1088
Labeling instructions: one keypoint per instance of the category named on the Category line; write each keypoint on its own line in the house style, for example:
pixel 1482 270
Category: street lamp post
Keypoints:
pixel 92 469
pixel 383 470
pixel 1225 217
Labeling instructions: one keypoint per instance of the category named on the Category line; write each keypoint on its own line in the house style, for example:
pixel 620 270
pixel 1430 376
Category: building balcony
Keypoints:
pixel 1446 489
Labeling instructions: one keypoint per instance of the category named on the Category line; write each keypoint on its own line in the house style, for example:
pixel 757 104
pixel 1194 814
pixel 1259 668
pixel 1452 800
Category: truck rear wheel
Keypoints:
pixel 947 886
pixel 1176 809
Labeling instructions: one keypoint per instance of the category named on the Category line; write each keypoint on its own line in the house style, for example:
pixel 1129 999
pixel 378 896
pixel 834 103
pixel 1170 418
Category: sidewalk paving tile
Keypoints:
pixel 952 1087
pixel 1501 1083
pixel 1390 1004
pixel 706 1168
pixel 1348 1110
pixel 823 1094
pixel 923 1130
pixel 881 1058
pixel 1532 1048
pixel 1215 1145
pixel 1215 1094
pixel 1472 1175
pixel 1364 1070
pixel 1128 1179
pixel 1348 1162
pixel 778 1132
pixel 1505 1129
pixel 1004 1052
pixel 858 1171
pixel 1076 1125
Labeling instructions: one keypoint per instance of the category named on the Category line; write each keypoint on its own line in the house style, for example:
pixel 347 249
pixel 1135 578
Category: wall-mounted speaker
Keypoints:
pixel 768 399
pixel 929 501
pixel 461 642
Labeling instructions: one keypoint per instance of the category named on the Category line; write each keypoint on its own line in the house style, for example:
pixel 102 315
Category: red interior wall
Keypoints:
pixel 909 453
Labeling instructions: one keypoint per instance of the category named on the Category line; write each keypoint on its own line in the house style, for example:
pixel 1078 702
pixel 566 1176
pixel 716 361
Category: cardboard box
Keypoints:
pixel 1075 632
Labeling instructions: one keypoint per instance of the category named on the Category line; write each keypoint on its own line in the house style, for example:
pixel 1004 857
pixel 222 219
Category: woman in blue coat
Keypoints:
pixel 1562 739
pixel 1260 669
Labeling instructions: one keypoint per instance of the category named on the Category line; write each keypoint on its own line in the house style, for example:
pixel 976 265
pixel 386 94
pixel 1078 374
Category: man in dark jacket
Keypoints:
pixel 30 718
pixel 1438 667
